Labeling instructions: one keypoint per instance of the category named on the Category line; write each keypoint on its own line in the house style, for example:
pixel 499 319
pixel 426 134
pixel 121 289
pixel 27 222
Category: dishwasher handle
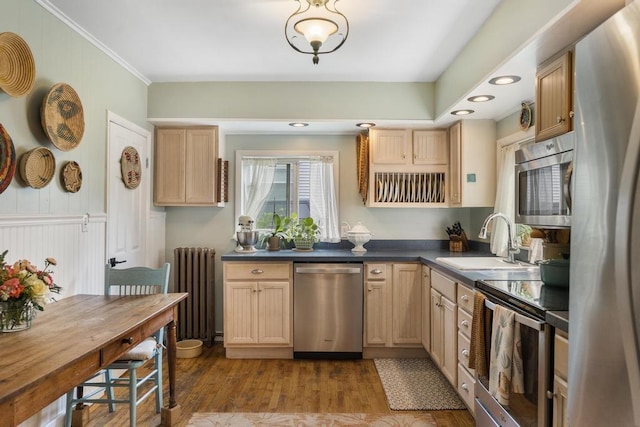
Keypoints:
pixel 329 270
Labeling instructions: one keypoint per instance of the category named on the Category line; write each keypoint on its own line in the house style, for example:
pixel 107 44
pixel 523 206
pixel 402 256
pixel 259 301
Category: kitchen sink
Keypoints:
pixel 484 263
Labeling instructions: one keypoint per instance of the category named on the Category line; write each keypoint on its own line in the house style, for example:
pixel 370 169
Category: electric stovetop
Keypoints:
pixel 532 296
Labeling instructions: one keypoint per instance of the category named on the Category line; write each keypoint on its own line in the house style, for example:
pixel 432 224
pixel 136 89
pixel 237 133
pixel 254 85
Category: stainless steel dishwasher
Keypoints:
pixel 327 310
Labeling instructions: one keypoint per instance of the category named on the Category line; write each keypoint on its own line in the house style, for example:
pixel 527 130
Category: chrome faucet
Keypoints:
pixel 511 244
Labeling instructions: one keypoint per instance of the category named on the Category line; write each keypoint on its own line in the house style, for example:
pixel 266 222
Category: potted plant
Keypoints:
pixel 302 231
pixel 273 238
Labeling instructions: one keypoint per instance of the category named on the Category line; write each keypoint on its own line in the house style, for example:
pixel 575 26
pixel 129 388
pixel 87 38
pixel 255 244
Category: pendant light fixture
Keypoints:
pixel 316 30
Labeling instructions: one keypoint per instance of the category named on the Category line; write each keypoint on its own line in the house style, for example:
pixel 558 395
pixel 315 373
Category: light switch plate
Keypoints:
pixel 471 177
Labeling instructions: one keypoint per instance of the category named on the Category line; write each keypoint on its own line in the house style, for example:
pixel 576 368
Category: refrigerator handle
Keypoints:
pixel 627 225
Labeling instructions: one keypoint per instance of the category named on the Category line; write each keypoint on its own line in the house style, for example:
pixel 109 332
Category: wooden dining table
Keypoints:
pixel 72 339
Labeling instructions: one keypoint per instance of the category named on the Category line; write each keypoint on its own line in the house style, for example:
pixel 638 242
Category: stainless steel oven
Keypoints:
pixel 529 300
pixel 543 174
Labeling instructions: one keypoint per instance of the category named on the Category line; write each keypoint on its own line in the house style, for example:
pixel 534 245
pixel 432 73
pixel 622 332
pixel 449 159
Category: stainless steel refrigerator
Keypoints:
pixel 604 317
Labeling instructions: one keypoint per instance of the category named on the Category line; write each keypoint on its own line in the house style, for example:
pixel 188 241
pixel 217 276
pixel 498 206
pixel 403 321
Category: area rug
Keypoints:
pixel 246 419
pixel 416 385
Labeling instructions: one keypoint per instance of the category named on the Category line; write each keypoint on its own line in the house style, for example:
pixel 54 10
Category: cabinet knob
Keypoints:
pixel 559 119
pixel 376 271
pixel 127 340
pixel 464 323
pixel 257 271
pixel 464 386
pixel 571 114
pixel 465 353
pixel 550 394
pixel 404 156
pixel 369 289
pixel 464 297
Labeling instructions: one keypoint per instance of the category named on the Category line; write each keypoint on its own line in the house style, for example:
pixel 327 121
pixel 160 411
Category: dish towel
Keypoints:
pixel 535 250
pixel 505 366
pixel 478 349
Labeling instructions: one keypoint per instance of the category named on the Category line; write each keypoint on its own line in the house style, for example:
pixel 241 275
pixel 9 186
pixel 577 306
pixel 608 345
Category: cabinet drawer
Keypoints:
pixel 375 271
pixel 444 285
pixel 463 352
pixel 561 356
pixel 256 271
pixel 466 387
pixel 123 344
pixel 464 323
pixel 465 298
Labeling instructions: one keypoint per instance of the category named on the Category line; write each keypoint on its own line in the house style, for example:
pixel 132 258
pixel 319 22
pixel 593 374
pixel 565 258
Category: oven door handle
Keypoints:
pixel 523 320
pixel 567 185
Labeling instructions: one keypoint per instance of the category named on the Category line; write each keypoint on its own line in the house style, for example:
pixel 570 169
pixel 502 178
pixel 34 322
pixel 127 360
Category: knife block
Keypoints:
pixel 458 243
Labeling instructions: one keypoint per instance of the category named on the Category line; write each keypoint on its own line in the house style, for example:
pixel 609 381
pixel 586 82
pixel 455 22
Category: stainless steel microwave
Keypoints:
pixel 543 182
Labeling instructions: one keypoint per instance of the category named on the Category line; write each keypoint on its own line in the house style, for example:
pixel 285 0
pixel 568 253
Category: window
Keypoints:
pixel 269 183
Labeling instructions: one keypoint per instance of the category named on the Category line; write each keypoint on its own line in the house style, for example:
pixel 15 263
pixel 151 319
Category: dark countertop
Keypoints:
pixel 558 319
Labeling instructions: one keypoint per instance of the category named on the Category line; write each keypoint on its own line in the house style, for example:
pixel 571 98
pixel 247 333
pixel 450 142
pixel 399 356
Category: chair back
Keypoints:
pixel 136 280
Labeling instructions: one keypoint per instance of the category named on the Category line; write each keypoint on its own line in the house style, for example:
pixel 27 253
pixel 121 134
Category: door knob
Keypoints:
pixel 113 262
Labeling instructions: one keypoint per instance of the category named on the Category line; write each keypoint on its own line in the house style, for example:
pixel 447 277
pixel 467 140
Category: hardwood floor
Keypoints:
pixel 212 383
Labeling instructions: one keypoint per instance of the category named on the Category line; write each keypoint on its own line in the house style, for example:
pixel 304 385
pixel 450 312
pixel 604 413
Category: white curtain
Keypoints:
pixel 322 201
pixel 257 179
pixel 505 199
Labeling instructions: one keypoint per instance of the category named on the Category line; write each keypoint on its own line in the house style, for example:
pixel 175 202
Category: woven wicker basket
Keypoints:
pixel 62 117
pixel 130 167
pixel 17 67
pixel 7 159
pixel 37 167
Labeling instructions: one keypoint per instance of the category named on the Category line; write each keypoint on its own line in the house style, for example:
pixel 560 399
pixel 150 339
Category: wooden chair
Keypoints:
pixel 128 281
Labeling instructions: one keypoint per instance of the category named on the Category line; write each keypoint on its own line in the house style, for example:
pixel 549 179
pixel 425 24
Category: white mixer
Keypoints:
pixel 246 235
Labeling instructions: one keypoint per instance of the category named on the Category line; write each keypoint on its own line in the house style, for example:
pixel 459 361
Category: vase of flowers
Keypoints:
pixel 24 289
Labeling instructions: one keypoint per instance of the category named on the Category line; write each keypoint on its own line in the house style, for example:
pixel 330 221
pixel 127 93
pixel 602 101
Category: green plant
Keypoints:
pixel 295 228
pixel 279 224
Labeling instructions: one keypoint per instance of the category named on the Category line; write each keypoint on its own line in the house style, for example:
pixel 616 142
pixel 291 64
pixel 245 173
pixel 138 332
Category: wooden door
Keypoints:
pixel 554 97
pixel 376 306
pixel 455 163
pixel 200 166
pixel 430 147
pixel 127 208
pixel 274 313
pixel 390 146
pixel 240 313
pixel 449 365
pixel 437 328
pixel 170 168
pixel 406 303
pixel 426 308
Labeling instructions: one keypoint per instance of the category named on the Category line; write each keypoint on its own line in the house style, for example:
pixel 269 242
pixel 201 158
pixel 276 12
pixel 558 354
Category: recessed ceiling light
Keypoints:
pixel 504 80
pixel 481 98
pixel 365 125
pixel 462 112
pixel 298 124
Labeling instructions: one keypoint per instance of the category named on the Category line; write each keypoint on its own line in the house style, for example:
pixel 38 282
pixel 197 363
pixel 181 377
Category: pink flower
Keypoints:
pixel 12 288
pixel 47 279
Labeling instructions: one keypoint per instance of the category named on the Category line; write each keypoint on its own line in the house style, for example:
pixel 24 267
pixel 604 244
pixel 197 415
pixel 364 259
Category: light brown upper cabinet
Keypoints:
pixel 472 163
pixel 408 147
pixel 185 166
pixel 554 97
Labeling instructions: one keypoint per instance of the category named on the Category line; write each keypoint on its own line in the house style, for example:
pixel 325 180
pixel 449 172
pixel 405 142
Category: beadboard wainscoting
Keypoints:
pixel 77 242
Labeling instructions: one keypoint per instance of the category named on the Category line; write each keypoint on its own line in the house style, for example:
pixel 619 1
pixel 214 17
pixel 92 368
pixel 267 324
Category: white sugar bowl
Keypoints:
pixel 359 235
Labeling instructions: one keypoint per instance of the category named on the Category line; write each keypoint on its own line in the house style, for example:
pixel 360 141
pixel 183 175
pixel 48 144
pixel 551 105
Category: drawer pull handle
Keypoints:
pixel 464 323
pixel 127 340
pixel 257 271
pixel 376 271
pixel 465 353
pixel 464 386
pixel 550 395
pixel 464 298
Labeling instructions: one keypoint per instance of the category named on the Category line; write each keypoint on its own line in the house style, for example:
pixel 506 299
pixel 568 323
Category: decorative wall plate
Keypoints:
pixel 72 177
pixel 525 116
pixel 37 167
pixel 7 159
pixel 130 167
pixel 62 117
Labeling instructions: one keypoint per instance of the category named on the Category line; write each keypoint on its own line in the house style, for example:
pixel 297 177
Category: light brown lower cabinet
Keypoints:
pixel 560 379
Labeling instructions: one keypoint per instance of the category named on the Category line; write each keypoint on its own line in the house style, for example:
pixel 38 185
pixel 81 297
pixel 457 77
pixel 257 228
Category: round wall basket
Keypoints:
pixel 130 167
pixel 37 167
pixel 7 159
pixel 17 67
pixel 71 177
pixel 62 117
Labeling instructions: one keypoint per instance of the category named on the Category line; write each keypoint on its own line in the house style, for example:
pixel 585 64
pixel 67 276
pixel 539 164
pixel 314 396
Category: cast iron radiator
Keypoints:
pixel 194 273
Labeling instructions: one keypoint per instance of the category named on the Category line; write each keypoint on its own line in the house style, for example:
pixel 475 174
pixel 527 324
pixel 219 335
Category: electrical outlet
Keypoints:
pixel 85 223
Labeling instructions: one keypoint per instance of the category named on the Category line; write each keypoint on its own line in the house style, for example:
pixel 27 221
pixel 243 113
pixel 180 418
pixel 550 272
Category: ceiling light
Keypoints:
pixel 316 31
pixel 504 80
pixel 365 125
pixel 462 112
pixel 298 124
pixel 481 98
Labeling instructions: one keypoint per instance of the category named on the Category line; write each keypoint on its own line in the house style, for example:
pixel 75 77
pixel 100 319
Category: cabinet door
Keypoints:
pixel 169 166
pixel 390 146
pixel 455 164
pixel 449 365
pixel 240 313
pixel 437 328
pixel 274 313
pixel 430 147
pixel 426 308
pixel 201 162
pixel 406 303
pixel 376 306
pixel 554 98
pixel 559 402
